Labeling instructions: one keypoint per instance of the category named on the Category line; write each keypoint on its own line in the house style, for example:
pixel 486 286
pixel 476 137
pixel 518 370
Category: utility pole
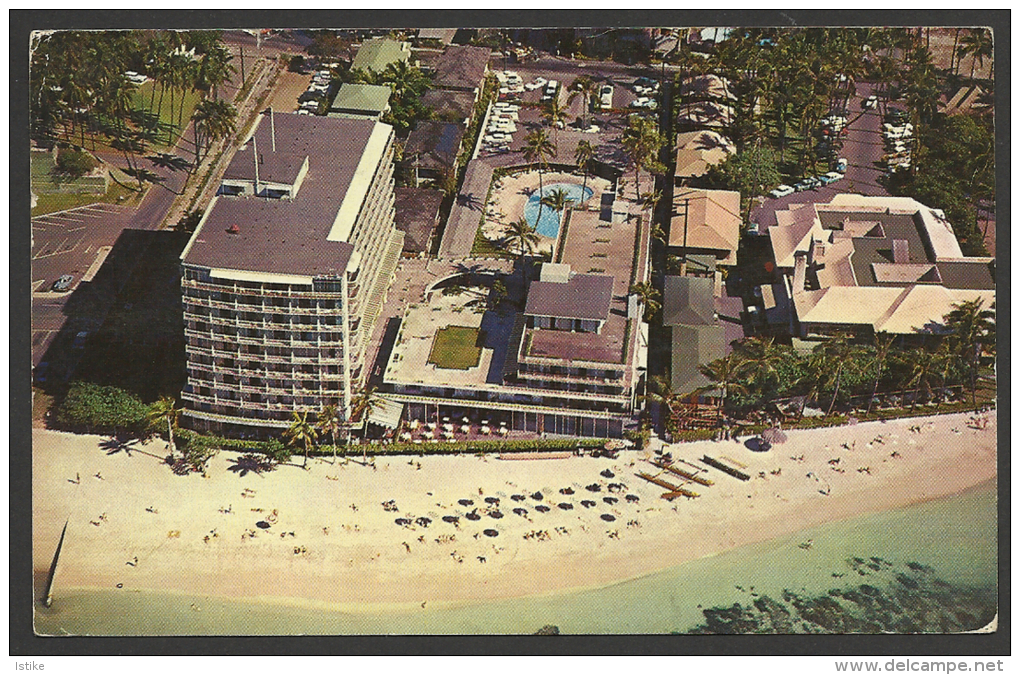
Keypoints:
pixel 683 255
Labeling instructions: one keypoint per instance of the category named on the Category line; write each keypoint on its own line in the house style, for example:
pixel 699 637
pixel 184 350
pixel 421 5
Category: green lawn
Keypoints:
pixel 49 201
pixel 456 347
pixel 143 94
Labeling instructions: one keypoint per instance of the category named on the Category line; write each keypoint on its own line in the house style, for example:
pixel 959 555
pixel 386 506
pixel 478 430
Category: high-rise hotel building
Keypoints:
pixel 286 273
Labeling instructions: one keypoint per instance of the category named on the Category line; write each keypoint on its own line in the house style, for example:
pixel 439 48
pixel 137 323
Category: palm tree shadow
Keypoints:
pixel 470 201
pixel 167 161
pixel 116 444
pixel 250 463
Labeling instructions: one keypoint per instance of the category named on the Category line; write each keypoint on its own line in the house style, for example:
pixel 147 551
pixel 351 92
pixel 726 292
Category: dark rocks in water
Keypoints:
pixel 473 516
pixel 262 525
pixel 537 496
pixel 548 630
pixel 403 522
pixel 521 512
pixel 518 498
pixel 451 519
pixel 608 517
pixel 495 514
pixel 566 506
pixel 492 500
pixel 587 503
pixel 490 533
pixel 610 500
pixel 908 599
pixel 594 487
pixel 607 474
pixel 542 508
pixel 632 498
pixel 906 581
pixel 465 502
pixel 567 491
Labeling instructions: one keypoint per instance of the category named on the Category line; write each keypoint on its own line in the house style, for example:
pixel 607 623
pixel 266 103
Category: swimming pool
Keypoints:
pixel 549 225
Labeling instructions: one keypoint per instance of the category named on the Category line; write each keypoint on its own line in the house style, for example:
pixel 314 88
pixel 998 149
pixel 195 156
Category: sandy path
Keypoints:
pixel 342 557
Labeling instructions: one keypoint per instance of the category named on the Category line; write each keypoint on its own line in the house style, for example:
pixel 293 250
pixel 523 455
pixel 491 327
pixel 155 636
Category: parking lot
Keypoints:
pixel 863 148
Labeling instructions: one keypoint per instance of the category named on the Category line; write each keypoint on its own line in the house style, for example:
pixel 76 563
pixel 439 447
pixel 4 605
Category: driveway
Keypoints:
pixel 863 149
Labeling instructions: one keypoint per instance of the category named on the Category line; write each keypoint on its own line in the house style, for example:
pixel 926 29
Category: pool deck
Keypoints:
pixel 511 193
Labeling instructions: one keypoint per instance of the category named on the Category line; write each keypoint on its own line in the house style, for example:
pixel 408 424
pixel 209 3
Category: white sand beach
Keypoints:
pixel 133 523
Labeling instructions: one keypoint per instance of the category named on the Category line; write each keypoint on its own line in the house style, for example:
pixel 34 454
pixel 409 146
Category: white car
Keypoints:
pixel 135 78
pixel 606 96
pixel 537 84
pixel 833 176
pixel 781 191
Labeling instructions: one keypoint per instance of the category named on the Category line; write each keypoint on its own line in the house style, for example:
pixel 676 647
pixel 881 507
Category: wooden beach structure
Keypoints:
pixel 674 490
pixel 685 474
pixel 716 464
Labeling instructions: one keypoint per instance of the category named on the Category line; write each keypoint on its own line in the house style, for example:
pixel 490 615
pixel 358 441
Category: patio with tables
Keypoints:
pixel 454 428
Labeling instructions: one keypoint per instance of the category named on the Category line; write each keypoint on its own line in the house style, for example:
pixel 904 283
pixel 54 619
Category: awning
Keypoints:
pixel 387 414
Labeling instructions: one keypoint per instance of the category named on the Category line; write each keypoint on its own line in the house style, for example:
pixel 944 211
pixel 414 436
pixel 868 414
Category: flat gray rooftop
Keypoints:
pixel 286 236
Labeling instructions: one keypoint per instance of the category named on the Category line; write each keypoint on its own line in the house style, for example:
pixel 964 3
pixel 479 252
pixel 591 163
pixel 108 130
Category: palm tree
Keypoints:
pixel 762 357
pixel 650 199
pixel 165 408
pixel 583 154
pixel 300 432
pixel 883 348
pixel 557 200
pixel 660 390
pixel 648 295
pixel 329 421
pixel 538 148
pixel 363 404
pixel 642 142
pixel 725 374
pixel 978 44
pixel 829 360
pixel 214 70
pixel 555 114
pixel 522 237
pixel 973 332
pixel 214 120
pixel 925 365
pixel 586 88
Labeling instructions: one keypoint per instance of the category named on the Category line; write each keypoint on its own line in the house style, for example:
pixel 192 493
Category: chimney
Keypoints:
pixel 799 271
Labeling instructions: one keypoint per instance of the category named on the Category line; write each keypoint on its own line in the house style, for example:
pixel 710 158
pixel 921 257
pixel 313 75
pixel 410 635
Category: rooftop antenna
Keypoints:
pixel 255 156
pixel 272 126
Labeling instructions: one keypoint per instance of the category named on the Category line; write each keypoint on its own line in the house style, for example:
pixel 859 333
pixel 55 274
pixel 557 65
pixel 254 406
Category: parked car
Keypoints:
pixel 895 116
pixel 831 177
pixel 781 191
pixel 606 96
pixel 63 283
pixel 841 165
pixel 806 184
pixel 134 78
pixel 537 84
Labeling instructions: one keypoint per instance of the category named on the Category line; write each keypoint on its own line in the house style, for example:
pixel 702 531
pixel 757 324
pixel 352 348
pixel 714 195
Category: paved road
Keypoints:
pixel 863 148
pixel 74 241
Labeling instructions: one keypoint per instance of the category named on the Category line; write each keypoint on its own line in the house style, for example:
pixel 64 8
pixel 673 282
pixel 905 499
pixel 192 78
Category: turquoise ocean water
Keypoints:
pixel 956 536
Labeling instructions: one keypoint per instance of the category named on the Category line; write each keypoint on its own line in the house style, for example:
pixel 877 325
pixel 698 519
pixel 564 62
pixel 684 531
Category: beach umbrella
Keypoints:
pixel 774 436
